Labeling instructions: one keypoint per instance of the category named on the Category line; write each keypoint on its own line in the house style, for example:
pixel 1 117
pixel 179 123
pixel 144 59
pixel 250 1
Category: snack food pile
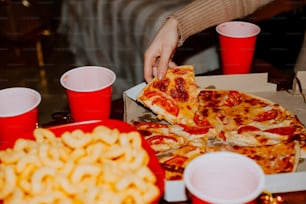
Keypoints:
pixel 192 121
pixel 103 166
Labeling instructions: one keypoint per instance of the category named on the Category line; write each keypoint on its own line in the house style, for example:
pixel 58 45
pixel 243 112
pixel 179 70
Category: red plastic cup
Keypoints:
pixel 224 178
pixel 89 92
pixel 18 114
pixel 237 44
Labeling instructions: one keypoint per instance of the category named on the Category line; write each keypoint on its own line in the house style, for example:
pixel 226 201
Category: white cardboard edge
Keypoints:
pixel 135 90
pixel 175 191
pixel 301 75
pixel 256 82
pixel 277 183
pixel 286 182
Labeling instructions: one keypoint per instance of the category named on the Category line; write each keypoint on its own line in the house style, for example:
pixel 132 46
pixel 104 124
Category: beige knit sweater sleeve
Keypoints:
pixel 202 14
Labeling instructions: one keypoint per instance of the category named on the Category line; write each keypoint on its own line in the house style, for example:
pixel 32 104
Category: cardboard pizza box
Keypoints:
pixel 255 83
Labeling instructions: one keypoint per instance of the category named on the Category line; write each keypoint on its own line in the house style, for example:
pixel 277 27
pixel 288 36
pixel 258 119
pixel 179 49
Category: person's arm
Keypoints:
pixel 159 55
pixel 200 15
pixel 193 18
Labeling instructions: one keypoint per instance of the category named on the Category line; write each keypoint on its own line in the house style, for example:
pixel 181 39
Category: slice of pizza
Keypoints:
pixel 175 161
pixel 173 98
pixel 279 158
pixel 247 120
pixel 164 137
pixel 174 145
pixel 159 136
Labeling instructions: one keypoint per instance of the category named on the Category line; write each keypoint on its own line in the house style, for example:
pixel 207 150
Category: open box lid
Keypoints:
pixel 244 82
pixel 255 83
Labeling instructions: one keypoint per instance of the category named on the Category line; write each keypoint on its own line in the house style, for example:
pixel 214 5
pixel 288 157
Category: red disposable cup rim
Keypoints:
pixel 18 93
pixel 110 73
pixel 216 156
pixel 236 32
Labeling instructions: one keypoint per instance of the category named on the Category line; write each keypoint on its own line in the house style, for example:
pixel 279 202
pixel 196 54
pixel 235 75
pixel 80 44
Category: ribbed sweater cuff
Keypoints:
pixel 190 24
pixel 200 15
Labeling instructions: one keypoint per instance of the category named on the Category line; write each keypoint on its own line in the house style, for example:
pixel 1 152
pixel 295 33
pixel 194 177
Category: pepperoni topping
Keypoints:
pixel 145 133
pixel 169 105
pixel 268 115
pixel 254 101
pixel 162 84
pixel 204 113
pixel 177 160
pixel 238 120
pixel 289 131
pixel 234 98
pixel 195 130
pixel 179 91
pixel 179 72
pixel 247 128
pixel 160 139
pixel 150 94
pixel 206 96
pixel 200 120
pixel 222 136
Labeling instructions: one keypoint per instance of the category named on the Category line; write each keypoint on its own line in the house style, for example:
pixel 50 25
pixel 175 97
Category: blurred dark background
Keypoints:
pixel 281 34
pixel 32 53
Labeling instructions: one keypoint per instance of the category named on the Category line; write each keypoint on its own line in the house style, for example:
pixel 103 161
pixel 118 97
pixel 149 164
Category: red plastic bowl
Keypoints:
pixel 88 126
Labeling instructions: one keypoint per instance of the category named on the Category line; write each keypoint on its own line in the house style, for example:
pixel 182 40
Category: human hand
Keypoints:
pixel 158 56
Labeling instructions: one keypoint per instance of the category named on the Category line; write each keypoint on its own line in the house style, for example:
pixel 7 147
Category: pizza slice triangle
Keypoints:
pixel 173 98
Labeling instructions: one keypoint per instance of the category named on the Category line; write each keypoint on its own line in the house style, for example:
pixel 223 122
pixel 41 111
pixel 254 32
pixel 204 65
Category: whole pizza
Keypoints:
pixel 193 121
